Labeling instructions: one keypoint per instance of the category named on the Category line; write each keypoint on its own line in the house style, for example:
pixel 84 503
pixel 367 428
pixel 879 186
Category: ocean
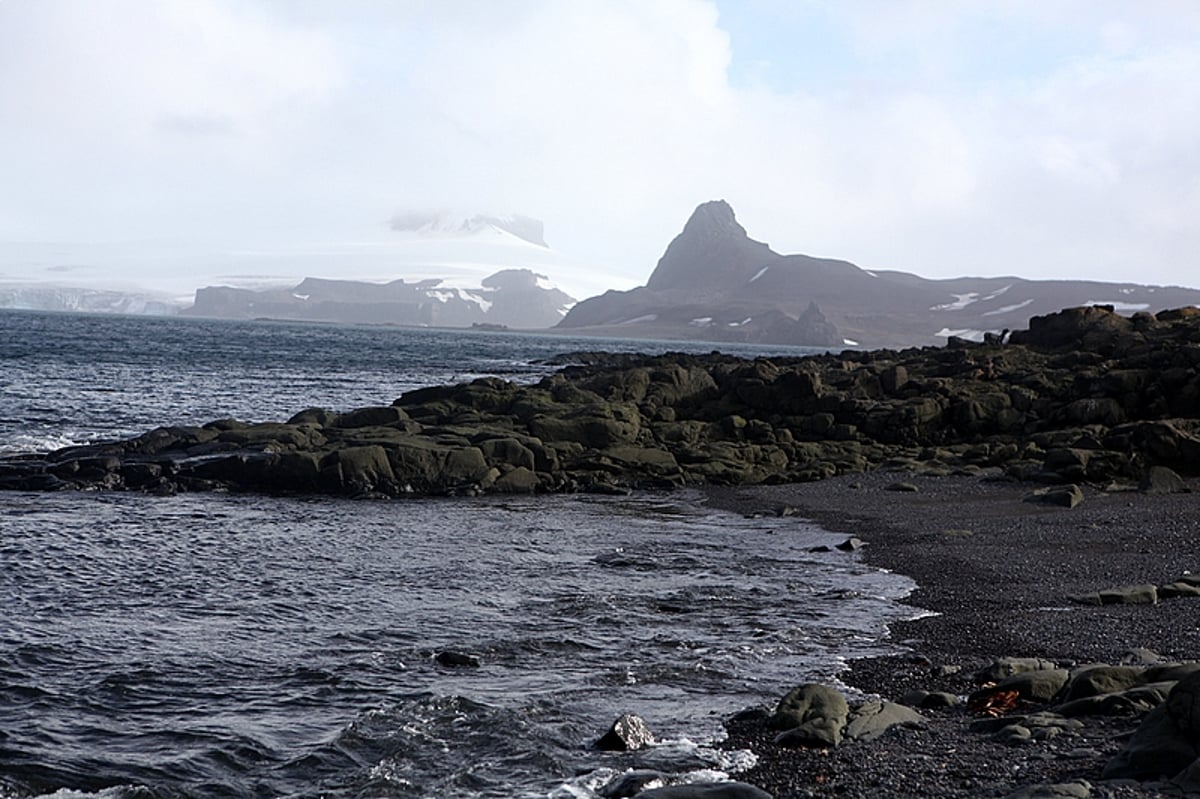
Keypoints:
pixel 217 645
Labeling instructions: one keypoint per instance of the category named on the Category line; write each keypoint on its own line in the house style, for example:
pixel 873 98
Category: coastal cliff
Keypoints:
pixel 1083 395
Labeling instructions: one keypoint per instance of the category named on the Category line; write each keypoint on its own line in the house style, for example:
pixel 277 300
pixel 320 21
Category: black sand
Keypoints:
pixel 998 572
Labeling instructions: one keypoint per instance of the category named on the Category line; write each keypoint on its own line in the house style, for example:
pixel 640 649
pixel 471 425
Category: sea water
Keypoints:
pixel 209 645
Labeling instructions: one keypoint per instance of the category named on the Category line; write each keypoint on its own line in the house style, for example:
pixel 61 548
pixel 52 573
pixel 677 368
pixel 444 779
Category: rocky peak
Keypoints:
pixel 713 249
pixel 713 220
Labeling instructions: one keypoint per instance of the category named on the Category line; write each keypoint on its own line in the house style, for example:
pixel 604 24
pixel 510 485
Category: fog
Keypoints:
pixel 178 142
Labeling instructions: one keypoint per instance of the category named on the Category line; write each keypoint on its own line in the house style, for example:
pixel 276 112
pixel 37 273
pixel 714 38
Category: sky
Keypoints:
pixel 992 137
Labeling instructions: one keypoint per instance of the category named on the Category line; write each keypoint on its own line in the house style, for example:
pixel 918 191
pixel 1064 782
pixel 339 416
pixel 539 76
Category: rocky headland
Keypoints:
pixel 1083 396
pixel 715 283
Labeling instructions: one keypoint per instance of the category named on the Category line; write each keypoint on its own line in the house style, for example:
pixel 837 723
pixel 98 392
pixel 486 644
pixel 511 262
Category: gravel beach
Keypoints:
pixel 998 572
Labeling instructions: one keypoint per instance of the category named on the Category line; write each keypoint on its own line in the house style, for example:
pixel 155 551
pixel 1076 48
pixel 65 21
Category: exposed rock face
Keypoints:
pixel 1035 410
pixel 716 283
pixel 511 297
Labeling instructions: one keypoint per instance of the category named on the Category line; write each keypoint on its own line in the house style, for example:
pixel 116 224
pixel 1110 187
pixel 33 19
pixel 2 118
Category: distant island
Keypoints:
pixel 510 298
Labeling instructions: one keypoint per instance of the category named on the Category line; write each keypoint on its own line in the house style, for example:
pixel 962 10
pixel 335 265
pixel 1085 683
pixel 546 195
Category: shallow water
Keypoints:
pixel 212 645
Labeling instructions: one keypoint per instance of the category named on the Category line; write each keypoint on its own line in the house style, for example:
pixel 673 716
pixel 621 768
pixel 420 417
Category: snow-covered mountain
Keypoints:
pixel 163 276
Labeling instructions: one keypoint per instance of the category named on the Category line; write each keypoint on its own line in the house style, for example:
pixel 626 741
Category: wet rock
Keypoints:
pixel 628 733
pixel 632 783
pixel 456 660
pixel 903 488
pixel 1006 667
pixel 712 790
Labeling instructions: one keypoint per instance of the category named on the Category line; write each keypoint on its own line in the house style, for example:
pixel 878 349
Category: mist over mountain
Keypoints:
pixel 715 283
pixel 433 223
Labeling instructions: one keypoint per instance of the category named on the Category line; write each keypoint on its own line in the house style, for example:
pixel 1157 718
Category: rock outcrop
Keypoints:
pixel 1037 408
pixel 715 283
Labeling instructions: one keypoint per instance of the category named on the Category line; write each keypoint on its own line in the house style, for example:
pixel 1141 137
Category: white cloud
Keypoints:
pixel 1013 136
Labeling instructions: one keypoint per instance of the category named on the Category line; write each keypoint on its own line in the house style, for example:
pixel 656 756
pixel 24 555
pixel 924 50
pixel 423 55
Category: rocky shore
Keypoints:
pixel 1036 486
pixel 1084 395
pixel 1010 582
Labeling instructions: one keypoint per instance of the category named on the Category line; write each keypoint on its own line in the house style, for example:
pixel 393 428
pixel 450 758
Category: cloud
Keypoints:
pixel 1009 136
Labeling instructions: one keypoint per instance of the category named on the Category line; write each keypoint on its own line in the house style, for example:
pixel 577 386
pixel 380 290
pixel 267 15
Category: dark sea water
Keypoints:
pixel 212 645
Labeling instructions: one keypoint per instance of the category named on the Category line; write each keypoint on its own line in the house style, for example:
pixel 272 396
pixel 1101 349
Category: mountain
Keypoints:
pixel 510 298
pixel 715 283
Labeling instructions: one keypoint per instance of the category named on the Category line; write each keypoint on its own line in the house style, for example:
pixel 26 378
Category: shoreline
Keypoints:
pixel 998 573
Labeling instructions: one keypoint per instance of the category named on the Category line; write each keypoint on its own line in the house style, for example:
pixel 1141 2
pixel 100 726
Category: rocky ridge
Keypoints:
pixel 1083 396
pixel 509 298
pixel 715 283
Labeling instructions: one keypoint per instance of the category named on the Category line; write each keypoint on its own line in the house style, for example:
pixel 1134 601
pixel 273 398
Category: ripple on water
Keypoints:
pixel 211 645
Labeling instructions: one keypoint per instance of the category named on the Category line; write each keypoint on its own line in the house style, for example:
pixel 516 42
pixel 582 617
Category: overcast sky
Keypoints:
pixel 1042 138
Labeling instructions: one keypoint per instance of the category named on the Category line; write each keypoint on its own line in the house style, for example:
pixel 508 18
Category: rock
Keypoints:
pixel 1035 686
pixel 1006 667
pixel 1162 480
pixel 632 782
pixel 1065 496
pixel 456 660
pixel 930 699
pixel 709 790
pixel 872 719
pixel 850 544
pixel 904 488
pixel 1098 679
pixel 810 715
pixel 1168 739
pixel 1146 594
pixel 520 480
pixel 628 733
pixel 1060 790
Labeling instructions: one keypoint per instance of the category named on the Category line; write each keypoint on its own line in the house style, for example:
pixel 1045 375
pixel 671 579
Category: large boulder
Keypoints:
pixel 811 715
pixel 1168 739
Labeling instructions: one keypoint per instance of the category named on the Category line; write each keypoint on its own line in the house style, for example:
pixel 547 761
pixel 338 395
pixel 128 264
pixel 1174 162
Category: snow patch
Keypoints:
pixel 701 321
pixel 484 305
pixel 1122 307
pixel 997 293
pixel 960 301
pixel 759 273
pixel 850 342
pixel 868 272
pixel 1008 308
pixel 441 296
pixel 303 297
pixel 742 323
pixel 965 332
pixel 650 317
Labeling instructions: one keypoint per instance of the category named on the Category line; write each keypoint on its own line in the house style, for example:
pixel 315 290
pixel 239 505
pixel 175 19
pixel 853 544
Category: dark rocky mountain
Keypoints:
pixel 510 297
pixel 715 283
